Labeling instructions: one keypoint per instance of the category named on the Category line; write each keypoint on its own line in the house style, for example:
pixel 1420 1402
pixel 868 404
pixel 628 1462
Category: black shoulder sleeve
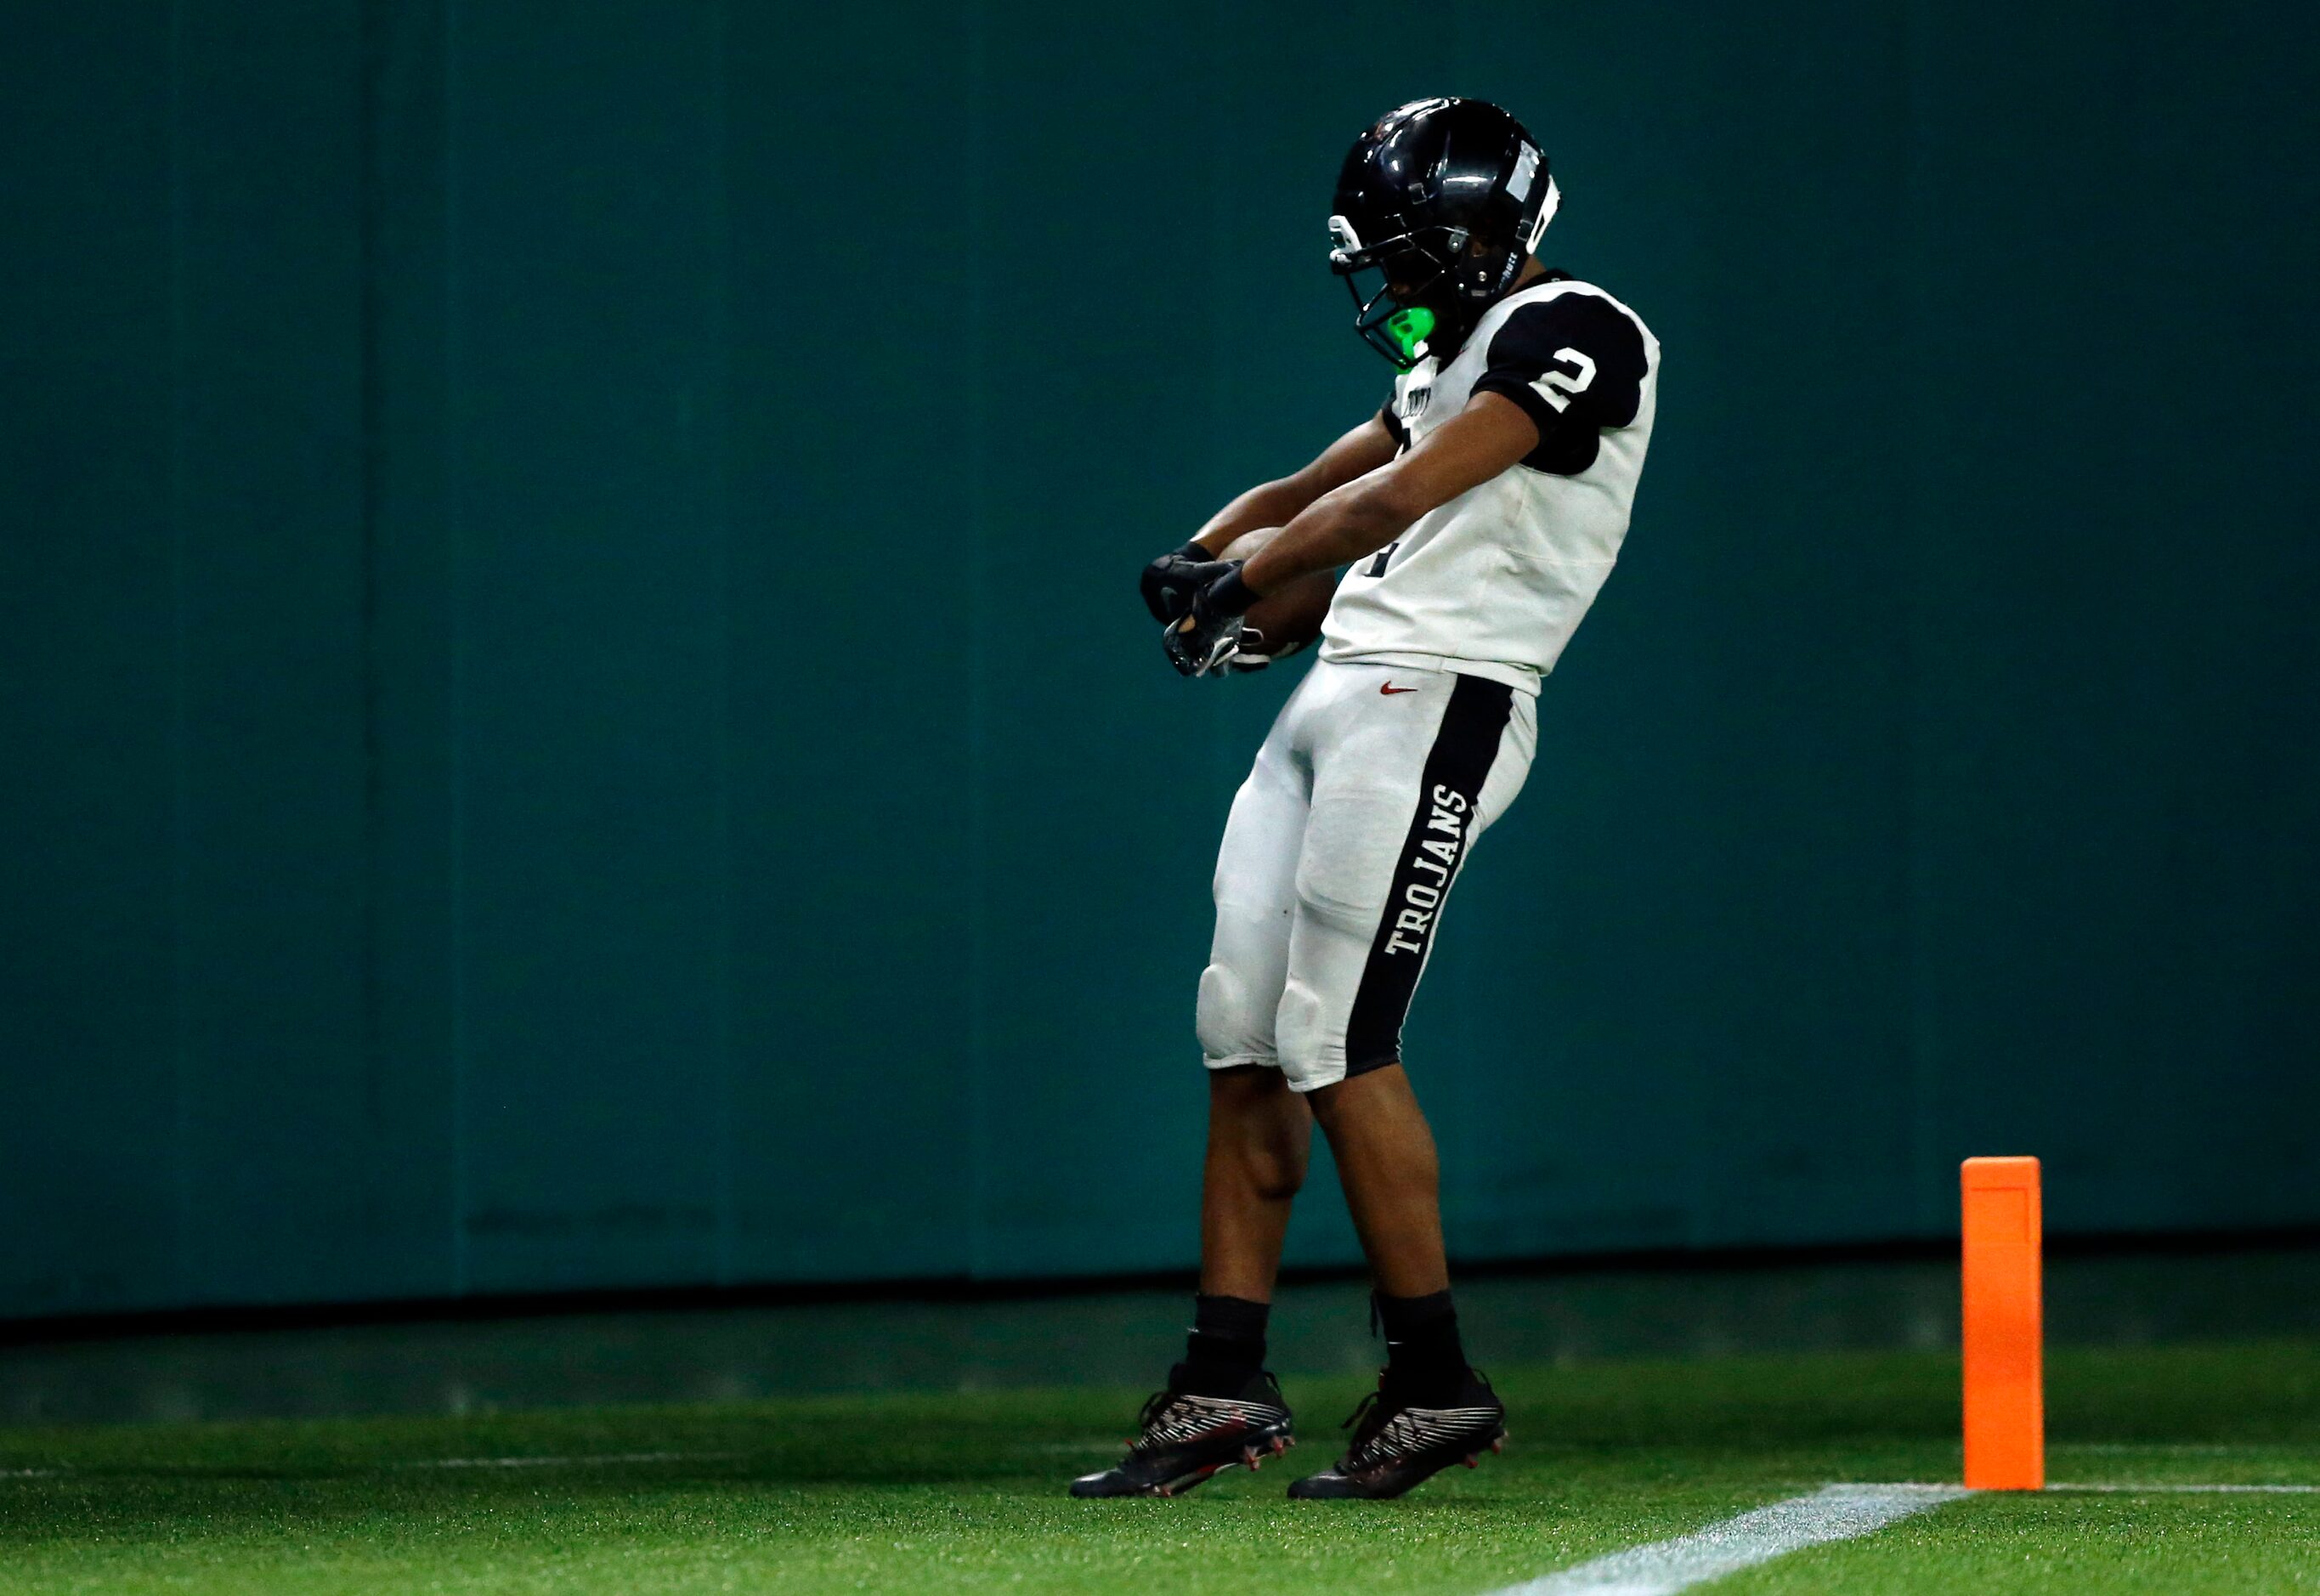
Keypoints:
pixel 1394 424
pixel 1575 364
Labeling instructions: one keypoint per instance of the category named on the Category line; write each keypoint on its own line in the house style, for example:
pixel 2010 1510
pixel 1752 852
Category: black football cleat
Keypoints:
pixel 1183 1439
pixel 1396 1445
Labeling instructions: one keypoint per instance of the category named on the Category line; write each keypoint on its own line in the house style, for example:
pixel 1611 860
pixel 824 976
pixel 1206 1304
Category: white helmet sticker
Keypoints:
pixel 1525 169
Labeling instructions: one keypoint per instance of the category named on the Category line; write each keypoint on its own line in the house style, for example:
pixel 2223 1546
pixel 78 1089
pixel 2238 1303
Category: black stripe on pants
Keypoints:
pixel 1449 796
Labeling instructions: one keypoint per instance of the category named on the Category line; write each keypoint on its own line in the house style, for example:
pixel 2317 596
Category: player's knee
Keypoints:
pixel 1226 1019
pixel 1311 1054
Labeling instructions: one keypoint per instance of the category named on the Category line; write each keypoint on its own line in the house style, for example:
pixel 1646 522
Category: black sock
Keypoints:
pixel 1423 1355
pixel 1226 1349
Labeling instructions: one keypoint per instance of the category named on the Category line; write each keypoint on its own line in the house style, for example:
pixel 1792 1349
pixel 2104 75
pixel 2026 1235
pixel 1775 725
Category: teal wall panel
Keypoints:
pixel 578 718
pixel 88 564
pixel 269 595
pixel 855 406
pixel 589 607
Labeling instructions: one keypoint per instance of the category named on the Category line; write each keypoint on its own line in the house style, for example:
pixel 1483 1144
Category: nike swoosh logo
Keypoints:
pixel 1387 689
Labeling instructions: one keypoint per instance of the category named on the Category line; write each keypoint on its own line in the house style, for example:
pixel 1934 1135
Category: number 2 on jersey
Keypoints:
pixel 1551 381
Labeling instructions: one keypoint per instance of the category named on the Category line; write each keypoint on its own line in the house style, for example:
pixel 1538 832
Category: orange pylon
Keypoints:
pixel 2005 1388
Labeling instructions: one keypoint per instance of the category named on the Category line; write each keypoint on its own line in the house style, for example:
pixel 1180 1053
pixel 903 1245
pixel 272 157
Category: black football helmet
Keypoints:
pixel 1444 199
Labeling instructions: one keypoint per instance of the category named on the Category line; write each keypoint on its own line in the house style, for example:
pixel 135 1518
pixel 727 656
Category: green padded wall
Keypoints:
pixel 577 716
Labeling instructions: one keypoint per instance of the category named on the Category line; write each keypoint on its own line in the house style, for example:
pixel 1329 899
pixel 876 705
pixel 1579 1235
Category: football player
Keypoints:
pixel 1474 517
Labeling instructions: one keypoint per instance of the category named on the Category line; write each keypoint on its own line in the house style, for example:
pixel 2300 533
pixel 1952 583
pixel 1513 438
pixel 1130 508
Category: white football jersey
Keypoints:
pixel 1494 583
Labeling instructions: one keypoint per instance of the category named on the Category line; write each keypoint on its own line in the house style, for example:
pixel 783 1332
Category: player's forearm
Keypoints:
pixel 1350 523
pixel 1267 504
pixel 1362 450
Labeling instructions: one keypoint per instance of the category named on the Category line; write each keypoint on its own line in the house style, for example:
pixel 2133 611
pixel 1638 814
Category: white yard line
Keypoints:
pixel 2170 1448
pixel 2192 1489
pixel 591 1460
pixel 1832 1513
pixel 582 1460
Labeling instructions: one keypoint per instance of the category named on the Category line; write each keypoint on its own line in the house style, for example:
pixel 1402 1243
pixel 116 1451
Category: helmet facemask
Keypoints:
pixel 1412 304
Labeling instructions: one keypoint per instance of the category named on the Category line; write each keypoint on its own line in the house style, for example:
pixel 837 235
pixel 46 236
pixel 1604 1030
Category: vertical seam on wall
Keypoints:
pixel 720 441
pixel 1933 1189
pixel 180 708
pixel 455 572
pixel 978 708
pixel 372 51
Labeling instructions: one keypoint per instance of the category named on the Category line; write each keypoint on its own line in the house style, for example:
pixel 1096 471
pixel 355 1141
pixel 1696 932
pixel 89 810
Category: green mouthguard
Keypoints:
pixel 1410 329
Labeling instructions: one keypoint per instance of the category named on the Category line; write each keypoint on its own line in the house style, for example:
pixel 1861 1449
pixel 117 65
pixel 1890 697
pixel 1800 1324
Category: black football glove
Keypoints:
pixel 1171 580
pixel 1208 639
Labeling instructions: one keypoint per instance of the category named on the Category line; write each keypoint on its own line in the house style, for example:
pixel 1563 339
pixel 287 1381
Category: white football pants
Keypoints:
pixel 1342 845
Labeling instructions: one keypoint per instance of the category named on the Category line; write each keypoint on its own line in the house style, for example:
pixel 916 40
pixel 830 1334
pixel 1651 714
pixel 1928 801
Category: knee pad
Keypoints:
pixel 1311 1055
pixel 1227 1020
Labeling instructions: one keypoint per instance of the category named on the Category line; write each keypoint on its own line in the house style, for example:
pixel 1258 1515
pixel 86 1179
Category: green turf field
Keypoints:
pixel 917 1493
